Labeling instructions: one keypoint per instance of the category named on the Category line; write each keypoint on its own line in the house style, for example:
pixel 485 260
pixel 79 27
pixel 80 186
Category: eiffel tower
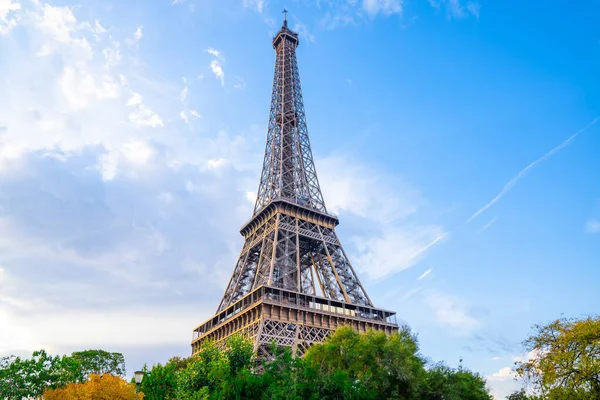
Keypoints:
pixel 293 283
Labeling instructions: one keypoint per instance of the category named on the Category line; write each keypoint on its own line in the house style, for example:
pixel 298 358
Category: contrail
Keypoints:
pixel 514 180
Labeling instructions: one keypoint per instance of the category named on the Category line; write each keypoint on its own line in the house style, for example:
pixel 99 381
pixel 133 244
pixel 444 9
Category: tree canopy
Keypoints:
pixel 565 360
pixel 348 365
pixel 28 378
pixel 100 362
pixel 97 387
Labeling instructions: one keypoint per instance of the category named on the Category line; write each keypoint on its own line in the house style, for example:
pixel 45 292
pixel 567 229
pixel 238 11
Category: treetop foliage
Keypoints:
pixel 348 365
pixel 97 387
pixel 565 364
pixel 566 359
pixel 29 378
pixel 100 362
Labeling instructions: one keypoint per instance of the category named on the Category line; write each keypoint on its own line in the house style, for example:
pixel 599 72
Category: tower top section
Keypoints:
pixel 288 172
pixel 286 34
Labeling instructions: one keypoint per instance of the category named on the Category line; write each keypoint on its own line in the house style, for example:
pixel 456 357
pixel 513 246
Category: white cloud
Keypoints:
pixel 215 53
pixel 257 5
pixel 216 163
pixel 384 202
pixel 451 312
pixel 173 2
pixel 7 21
pixel 112 328
pixel 216 65
pixel 112 56
pixel 137 152
pixel 141 114
pixel 367 191
pixel 217 69
pixel 386 7
pixel 79 87
pixel 98 28
pixel 425 274
pixel 250 197
pixel 503 383
pixel 592 226
pixel 137 35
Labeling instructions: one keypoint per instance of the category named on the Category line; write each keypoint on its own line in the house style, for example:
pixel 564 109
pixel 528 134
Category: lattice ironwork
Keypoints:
pixel 290 242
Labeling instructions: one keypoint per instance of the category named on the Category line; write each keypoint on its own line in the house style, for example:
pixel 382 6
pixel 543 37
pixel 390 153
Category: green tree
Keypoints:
pixel 100 362
pixel 370 365
pixel 160 382
pixel 445 383
pixel 29 378
pixel 518 395
pixel 217 373
pixel 566 359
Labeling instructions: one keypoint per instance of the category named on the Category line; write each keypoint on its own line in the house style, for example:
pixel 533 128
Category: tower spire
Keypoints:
pixel 293 282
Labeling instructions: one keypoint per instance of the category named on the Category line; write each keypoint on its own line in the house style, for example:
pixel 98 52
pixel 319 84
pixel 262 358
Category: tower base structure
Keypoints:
pixel 270 315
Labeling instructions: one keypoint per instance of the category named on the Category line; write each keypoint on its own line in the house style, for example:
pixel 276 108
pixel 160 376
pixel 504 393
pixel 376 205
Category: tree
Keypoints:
pixel 519 395
pixel 370 365
pixel 445 383
pixel 100 362
pixel 566 359
pixel 97 387
pixel 160 382
pixel 28 378
pixel 219 373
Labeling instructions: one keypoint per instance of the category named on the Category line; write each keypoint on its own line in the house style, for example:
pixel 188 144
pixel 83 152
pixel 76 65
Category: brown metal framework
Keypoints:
pixel 293 282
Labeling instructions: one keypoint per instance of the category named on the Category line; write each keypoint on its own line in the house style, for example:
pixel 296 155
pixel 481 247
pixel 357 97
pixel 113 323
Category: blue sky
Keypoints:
pixel 131 137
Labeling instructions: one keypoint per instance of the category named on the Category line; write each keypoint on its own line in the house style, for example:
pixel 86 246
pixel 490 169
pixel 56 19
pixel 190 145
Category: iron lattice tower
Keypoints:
pixel 293 282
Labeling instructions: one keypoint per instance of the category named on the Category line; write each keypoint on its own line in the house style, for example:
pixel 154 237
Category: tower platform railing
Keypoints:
pixel 301 301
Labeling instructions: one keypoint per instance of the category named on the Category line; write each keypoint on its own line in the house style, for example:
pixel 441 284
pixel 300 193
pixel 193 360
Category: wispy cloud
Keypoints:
pixel 592 226
pixel 216 65
pixel 456 9
pixel 137 35
pixel 384 204
pixel 256 5
pixel 487 226
pixel 7 21
pixel 452 312
pixel 425 274
pixel 303 31
pixel 412 292
pixel 240 83
pixel 343 13
pixel 386 7
pixel 521 173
